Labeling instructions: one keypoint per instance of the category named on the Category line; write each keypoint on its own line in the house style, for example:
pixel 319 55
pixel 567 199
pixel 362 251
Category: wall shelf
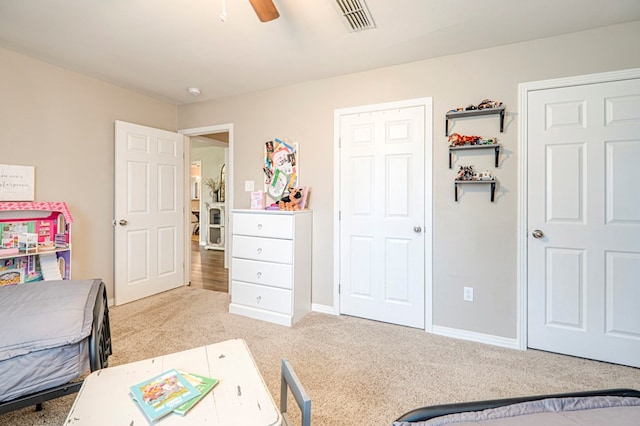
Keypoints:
pixel 495 146
pixel 474 113
pixel 476 182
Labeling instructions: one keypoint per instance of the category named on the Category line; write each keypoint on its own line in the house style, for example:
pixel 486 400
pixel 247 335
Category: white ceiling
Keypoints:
pixel 161 47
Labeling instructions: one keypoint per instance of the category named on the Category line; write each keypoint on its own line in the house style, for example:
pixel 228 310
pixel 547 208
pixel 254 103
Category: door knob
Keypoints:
pixel 417 229
pixel 537 233
pixel 123 222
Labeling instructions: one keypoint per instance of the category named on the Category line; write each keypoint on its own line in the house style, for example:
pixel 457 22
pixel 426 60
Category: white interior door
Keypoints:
pixel 149 211
pixel 584 221
pixel 382 215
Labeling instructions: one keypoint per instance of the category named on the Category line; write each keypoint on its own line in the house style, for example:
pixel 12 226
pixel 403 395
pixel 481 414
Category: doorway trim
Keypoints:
pixel 523 99
pixel 427 103
pixel 199 131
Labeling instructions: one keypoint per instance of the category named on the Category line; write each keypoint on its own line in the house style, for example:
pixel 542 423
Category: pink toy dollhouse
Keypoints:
pixel 35 239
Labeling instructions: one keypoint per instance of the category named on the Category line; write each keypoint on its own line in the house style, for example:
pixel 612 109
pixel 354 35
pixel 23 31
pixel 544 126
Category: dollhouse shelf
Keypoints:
pixel 32 253
pixel 495 146
pixel 474 113
pixel 476 182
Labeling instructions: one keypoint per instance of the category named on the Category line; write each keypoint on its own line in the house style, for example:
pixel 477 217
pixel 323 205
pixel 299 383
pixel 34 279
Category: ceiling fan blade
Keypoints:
pixel 265 9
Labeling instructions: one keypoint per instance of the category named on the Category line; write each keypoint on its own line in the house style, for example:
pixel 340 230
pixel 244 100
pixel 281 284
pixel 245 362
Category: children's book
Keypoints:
pixel 202 383
pixel 160 395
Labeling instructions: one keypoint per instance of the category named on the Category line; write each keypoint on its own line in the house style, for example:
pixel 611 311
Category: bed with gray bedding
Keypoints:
pixel 612 407
pixel 51 334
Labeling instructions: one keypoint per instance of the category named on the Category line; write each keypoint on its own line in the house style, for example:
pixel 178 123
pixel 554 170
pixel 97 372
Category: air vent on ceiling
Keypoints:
pixel 356 14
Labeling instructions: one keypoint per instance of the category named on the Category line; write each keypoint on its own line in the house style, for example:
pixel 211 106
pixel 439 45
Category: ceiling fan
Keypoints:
pixel 265 9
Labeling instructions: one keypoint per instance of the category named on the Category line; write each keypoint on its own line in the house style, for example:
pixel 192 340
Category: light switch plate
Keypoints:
pixel 248 185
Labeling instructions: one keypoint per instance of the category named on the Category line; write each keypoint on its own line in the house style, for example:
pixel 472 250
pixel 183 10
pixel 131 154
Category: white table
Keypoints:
pixel 240 398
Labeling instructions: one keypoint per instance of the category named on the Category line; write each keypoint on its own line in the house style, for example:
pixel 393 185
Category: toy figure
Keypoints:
pixel 485 104
pixel 457 139
pixel 488 103
pixel 291 201
pixel 465 173
pixel 486 175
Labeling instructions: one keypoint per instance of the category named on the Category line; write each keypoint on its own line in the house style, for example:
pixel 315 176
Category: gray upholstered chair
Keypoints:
pixel 289 380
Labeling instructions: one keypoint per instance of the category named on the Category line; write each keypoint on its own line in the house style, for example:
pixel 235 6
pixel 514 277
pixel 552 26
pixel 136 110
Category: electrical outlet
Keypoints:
pixel 248 185
pixel 468 294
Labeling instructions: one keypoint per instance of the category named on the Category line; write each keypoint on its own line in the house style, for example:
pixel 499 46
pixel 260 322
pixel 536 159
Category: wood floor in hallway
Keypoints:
pixel 207 269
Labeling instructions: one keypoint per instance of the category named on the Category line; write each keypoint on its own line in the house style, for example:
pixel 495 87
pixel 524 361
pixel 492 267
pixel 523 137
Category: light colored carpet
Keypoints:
pixel 357 372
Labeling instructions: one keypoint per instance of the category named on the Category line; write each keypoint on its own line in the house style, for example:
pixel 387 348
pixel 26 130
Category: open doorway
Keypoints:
pixel 209 159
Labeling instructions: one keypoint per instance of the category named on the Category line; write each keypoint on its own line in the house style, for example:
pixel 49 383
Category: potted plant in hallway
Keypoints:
pixel 214 187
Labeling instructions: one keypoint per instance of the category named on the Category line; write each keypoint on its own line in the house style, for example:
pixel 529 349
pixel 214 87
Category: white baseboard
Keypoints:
pixel 476 337
pixel 260 314
pixel 445 331
pixel 439 330
pixel 324 309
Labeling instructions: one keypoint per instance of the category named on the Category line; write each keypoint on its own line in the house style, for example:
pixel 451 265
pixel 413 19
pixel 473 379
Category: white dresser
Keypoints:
pixel 271 264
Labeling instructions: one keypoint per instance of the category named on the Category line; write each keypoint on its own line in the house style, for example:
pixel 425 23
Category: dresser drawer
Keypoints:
pixel 263 225
pixel 263 249
pixel 271 274
pixel 262 297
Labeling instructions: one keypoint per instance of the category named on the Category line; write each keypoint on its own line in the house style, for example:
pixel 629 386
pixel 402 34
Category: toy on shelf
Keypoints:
pixel 486 175
pixel 488 103
pixel 485 104
pixel 486 107
pixel 466 173
pixel 456 139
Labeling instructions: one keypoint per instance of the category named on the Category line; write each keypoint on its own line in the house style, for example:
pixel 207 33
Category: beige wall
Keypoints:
pixel 63 124
pixel 474 240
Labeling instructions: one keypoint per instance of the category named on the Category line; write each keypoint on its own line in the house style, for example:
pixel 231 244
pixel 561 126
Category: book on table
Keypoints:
pixel 202 383
pixel 160 395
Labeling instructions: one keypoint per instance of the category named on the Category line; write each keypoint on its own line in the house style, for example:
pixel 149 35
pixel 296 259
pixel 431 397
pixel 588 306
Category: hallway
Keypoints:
pixel 207 269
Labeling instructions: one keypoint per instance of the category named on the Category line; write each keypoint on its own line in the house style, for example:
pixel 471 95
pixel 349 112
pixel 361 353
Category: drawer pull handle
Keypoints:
pixel 259 226
pixel 259 251
pixel 259 274
pixel 258 299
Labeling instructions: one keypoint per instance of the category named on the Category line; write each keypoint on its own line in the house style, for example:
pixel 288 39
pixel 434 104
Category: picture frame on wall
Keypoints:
pixel 17 183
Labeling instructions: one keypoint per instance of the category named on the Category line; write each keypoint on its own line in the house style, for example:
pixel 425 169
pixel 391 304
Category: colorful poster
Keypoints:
pixel 280 167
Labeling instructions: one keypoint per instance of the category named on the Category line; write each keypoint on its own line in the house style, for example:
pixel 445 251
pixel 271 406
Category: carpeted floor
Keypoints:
pixel 357 372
